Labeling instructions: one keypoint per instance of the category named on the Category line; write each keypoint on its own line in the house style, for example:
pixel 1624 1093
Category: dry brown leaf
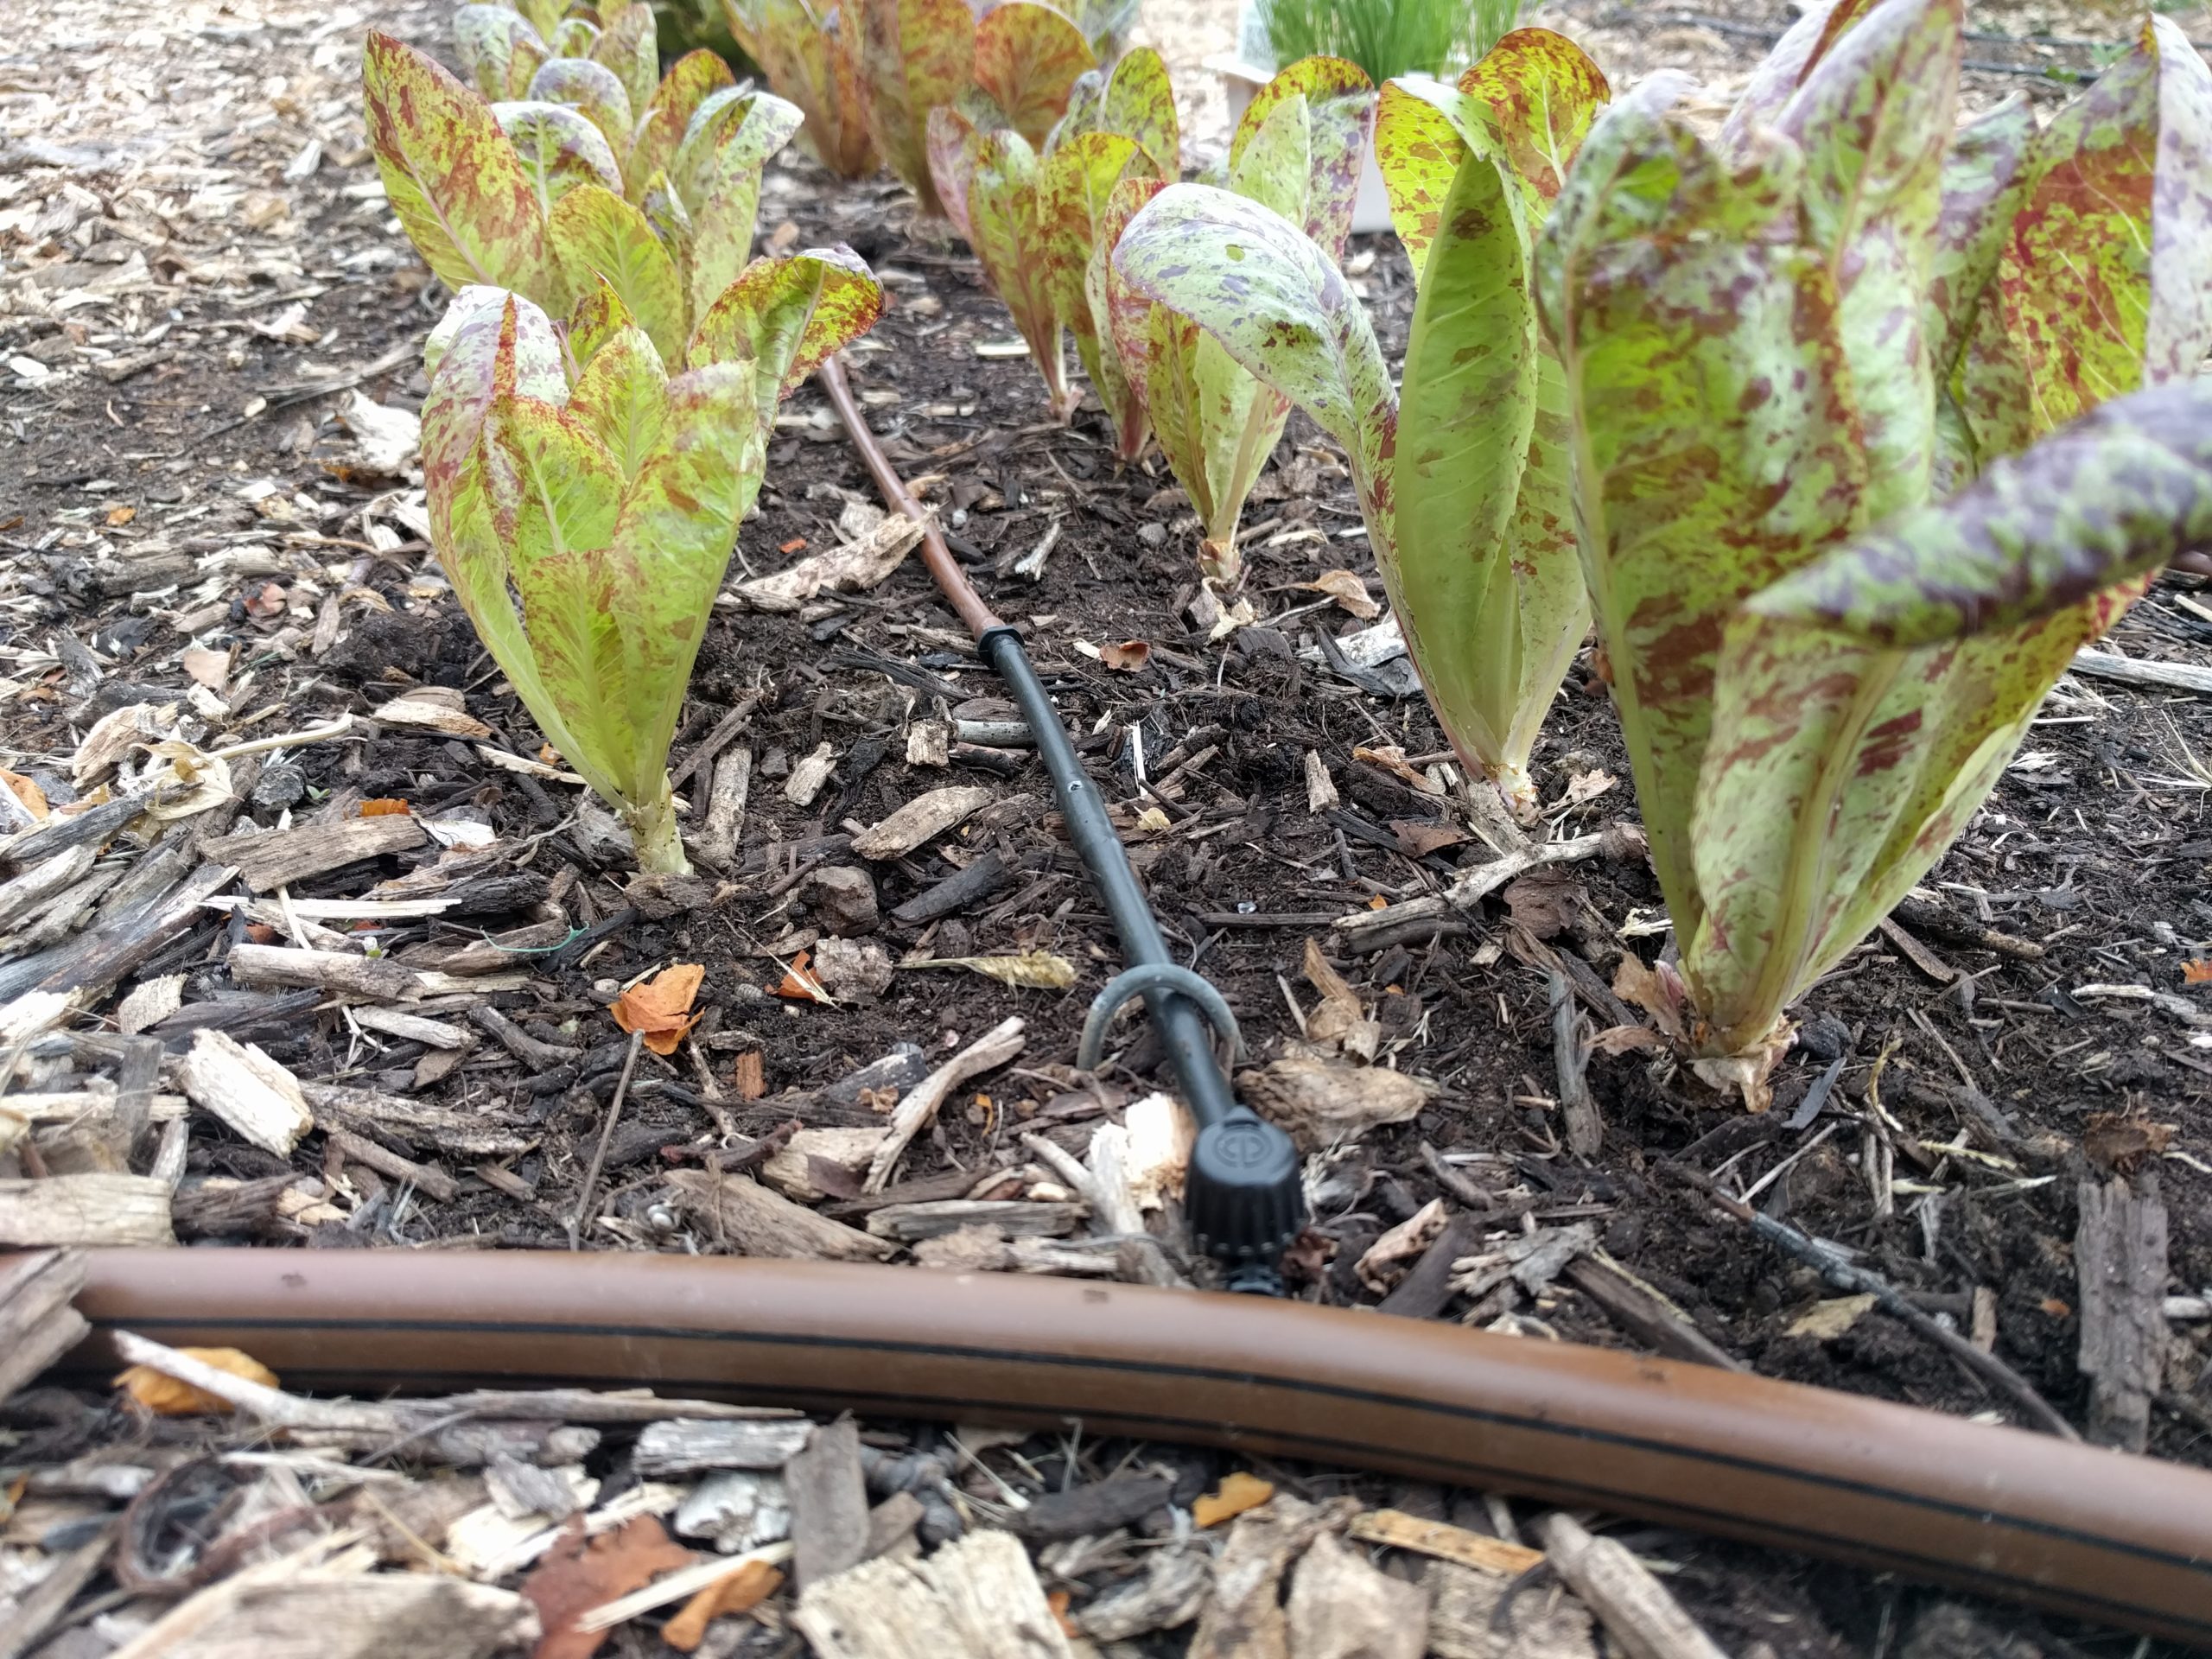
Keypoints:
pixel 1237 1492
pixel 1342 1018
pixel 1034 970
pixel 745 1588
pixel 26 791
pixel 661 1007
pixel 1417 838
pixel 165 1396
pixel 799 985
pixel 266 600
pixel 1127 657
pixel 1657 991
pixel 384 807
pixel 578 1575
pixel 1543 903
pixel 2121 1143
pixel 750 1078
pixel 121 514
pixel 2195 971
pixel 1349 591
pixel 1827 1320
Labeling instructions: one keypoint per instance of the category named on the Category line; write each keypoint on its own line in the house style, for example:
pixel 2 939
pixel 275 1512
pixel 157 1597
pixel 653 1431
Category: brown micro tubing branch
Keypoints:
pixel 944 570
pixel 2121 1539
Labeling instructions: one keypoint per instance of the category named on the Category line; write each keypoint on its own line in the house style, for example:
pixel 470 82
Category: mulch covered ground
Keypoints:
pixel 215 580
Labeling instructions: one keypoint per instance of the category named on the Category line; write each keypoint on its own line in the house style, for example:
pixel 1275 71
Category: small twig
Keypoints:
pixel 1585 1131
pixel 606 1134
pixel 1854 1279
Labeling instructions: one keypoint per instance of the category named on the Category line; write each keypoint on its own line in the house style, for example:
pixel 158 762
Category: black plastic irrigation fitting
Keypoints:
pixel 1242 1196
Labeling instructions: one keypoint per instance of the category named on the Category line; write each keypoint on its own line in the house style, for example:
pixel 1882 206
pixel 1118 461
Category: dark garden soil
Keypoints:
pixel 179 474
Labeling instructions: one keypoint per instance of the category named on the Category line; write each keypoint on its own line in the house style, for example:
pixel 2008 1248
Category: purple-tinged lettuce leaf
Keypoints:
pixel 573 37
pixel 630 46
pixel 1132 97
pixel 914 55
pixel 460 192
pixel 1983 187
pixel 1121 391
pixel 1784 69
pixel 499 50
pixel 542 15
pixel 559 149
pixel 782 317
pixel 596 318
pixel 806 49
pixel 1003 228
pixel 2101 285
pixel 1334 103
pixel 594 91
pixel 951 144
pixel 598 237
pixel 1075 189
pixel 1871 120
pixel 1027 56
pixel 692 81
pixel 1867 701
pixel 717 177
pixel 1703 368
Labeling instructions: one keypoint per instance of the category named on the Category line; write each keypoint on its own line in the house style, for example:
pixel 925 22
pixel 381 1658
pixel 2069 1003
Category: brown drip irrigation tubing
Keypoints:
pixel 978 618
pixel 2121 1539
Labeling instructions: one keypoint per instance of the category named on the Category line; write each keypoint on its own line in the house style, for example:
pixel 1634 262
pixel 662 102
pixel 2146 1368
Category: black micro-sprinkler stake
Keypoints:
pixel 1242 1197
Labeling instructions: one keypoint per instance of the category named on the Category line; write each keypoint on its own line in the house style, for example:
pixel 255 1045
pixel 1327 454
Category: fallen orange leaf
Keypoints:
pixel 1060 1601
pixel 660 1007
pixel 121 514
pixel 165 1396
pixel 2197 971
pixel 799 985
pixel 1127 657
pixel 796 545
pixel 26 791
pixel 1236 1493
pixel 578 1575
pixel 746 1588
pixel 384 807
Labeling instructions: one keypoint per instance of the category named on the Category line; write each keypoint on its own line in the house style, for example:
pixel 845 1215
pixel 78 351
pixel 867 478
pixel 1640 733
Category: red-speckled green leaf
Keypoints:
pixel 1531 101
pixel 2116 495
pixel 1027 57
pixel 695 78
pixel 621 398
pixel 1982 190
pixel 1871 120
pixel 459 191
pixel 953 141
pixel 1074 194
pixel 2101 283
pixel 499 50
pixel 559 149
pixel 1481 562
pixel 597 316
pixel 1702 367
pixel 566 493
pixel 1776 81
pixel 1867 702
pixel 717 177
pixel 1117 388
pixel 1132 97
pixel 782 317
pixel 1003 228
pixel 596 234
pixel 503 346
pixel 806 50
pixel 677 527
pixel 594 91
pixel 542 15
pixel 630 47
pixel 1339 120
pixel 1260 289
pixel 914 55
pixel 573 38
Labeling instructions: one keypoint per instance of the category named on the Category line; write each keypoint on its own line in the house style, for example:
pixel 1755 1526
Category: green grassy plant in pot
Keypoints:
pixel 585 494
pixel 1839 536
pixel 809 53
pixel 1294 158
pixel 552 194
pixel 1034 214
pixel 1465 477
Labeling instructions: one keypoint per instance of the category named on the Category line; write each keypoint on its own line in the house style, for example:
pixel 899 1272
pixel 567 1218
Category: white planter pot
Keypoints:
pixel 1246 70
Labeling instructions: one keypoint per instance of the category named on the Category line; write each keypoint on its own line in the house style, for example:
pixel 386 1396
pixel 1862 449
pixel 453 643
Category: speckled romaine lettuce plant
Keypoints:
pixel 576 183
pixel 585 492
pixel 1296 156
pixel 1464 477
pixel 1783 351
pixel 809 51
pixel 1033 214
